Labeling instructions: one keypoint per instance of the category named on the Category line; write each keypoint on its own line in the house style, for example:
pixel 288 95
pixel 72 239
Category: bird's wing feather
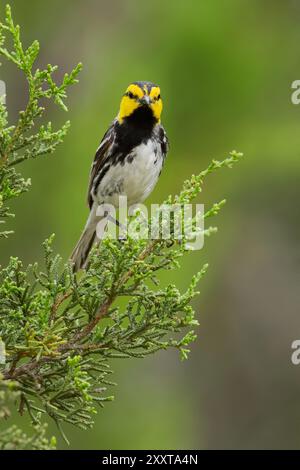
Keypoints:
pixel 99 159
pixel 164 141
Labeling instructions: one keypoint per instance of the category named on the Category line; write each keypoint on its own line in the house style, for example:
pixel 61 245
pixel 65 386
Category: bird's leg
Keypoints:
pixel 115 221
pixel 118 224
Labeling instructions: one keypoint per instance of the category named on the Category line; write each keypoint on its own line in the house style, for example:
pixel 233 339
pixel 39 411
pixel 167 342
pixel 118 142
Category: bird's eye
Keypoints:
pixel 158 98
pixel 130 94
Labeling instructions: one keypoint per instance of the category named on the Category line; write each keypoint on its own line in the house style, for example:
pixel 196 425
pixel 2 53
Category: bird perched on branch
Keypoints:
pixel 128 161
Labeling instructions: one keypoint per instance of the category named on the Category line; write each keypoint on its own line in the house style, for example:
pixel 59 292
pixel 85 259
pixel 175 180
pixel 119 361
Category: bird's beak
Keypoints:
pixel 145 100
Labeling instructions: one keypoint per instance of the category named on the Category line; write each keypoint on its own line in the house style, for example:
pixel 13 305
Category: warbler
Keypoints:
pixel 128 161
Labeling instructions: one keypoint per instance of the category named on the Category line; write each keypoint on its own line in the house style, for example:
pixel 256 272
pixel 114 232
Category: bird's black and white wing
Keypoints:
pixel 163 141
pixel 99 160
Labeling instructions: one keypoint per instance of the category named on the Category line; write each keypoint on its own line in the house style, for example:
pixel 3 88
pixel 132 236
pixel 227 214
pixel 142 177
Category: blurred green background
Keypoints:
pixel 225 70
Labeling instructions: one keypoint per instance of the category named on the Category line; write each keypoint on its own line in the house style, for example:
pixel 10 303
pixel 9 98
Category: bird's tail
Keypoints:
pixel 85 242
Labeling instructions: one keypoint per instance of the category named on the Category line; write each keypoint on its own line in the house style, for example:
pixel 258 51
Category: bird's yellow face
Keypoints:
pixel 141 94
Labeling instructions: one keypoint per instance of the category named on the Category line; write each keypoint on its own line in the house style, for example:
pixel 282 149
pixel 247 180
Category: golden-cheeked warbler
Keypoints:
pixel 128 160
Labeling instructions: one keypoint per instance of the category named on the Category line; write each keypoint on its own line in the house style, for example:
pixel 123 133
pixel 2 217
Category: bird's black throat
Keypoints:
pixel 135 129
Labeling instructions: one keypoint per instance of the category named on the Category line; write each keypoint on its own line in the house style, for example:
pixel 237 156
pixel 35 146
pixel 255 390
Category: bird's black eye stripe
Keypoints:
pixel 135 97
pixel 130 95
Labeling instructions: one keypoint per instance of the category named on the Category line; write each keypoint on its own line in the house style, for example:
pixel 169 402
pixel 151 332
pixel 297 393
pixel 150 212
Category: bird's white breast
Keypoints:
pixel 135 178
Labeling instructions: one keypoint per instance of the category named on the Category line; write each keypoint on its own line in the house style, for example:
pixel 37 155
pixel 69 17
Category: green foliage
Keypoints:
pixel 14 438
pixel 26 139
pixel 61 330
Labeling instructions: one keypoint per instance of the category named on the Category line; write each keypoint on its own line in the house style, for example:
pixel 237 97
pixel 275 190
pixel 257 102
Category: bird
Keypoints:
pixel 128 161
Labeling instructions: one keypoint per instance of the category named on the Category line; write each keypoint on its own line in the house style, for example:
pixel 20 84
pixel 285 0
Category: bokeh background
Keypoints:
pixel 225 69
